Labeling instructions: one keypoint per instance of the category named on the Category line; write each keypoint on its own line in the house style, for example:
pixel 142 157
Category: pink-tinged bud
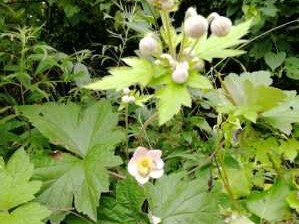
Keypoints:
pixel 190 12
pixel 181 73
pixel 148 45
pixel 221 26
pixel 196 26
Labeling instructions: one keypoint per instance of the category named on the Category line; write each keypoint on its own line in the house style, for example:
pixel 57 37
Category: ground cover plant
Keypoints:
pixel 165 129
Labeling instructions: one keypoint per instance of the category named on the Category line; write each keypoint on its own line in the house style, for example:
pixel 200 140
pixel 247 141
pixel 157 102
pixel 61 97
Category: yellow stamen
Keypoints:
pixel 145 165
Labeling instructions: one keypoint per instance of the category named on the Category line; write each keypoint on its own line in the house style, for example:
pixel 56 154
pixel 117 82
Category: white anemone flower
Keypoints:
pixel 146 164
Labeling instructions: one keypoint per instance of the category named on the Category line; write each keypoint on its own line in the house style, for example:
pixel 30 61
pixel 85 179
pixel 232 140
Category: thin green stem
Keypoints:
pixel 145 125
pixel 167 28
pixel 127 130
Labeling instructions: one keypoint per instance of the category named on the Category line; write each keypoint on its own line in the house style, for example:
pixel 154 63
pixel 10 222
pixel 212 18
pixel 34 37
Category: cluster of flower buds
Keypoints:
pixel 149 45
pixel 167 5
pixel 126 97
pixel 196 25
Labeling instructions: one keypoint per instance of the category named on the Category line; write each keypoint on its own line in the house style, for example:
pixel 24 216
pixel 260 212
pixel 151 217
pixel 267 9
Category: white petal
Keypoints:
pixel 132 168
pixel 159 163
pixel 140 151
pixel 154 154
pixel 141 180
pixel 156 173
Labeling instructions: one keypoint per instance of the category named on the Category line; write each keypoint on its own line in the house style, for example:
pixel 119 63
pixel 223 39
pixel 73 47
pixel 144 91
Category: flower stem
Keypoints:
pixel 127 130
pixel 167 28
pixel 145 125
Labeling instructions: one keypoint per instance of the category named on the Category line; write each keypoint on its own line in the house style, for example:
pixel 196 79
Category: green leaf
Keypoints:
pixel 15 187
pixel 171 98
pixel 175 200
pixel 30 213
pixel 198 81
pixel 289 149
pixel 292 67
pixel 283 116
pixel 251 94
pixel 88 133
pixel 16 192
pixel 140 72
pixel 126 207
pixel 270 205
pixel 239 180
pixel 293 200
pixel 221 47
pixel 274 60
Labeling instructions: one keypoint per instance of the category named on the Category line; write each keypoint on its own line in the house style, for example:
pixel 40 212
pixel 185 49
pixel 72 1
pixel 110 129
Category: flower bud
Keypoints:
pixel 128 99
pixel 126 91
pixel 148 45
pixel 196 26
pixel 199 64
pixel 221 26
pixel 170 60
pixel 132 99
pixel 181 74
pixel 190 12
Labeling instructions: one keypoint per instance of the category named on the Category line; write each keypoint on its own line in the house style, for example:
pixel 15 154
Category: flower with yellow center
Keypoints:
pixel 145 164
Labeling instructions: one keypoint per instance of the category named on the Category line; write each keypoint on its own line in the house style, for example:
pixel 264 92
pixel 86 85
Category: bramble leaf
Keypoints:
pixel 88 133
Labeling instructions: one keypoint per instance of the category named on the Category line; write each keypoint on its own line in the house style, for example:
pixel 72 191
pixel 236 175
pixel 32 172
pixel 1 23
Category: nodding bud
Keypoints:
pixel 126 91
pixel 128 99
pixel 196 26
pixel 221 26
pixel 198 64
pixel 190 12
pixel 181 73
pixel 148 45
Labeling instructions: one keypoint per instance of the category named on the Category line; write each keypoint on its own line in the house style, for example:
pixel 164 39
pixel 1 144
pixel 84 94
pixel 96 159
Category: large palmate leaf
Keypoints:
pixel 89 134
pixel 283 116
pixel 139 72
pixel 250 94
pixel 221 47
pixel 126 207
pixel 270 205
pixel 178 201
pixel 16 189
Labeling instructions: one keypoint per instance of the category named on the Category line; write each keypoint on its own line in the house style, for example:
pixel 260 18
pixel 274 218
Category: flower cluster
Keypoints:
pixel 195 26
pixel 126 98
pixel 145 164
